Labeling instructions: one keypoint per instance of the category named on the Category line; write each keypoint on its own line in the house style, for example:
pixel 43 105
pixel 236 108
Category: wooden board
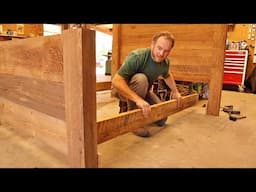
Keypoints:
pixel 128 121
pixel 194 42
pixel 41 95
pixel 29 122
pixel 101 86
pixel 39 57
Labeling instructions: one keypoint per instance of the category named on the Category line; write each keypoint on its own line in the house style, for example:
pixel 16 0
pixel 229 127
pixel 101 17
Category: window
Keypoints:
pixel 103 46
pixel 51 29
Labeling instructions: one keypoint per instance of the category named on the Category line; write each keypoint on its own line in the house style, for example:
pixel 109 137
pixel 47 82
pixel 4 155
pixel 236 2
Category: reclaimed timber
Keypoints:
pixel 80 96
pixel 101 86
pixel 38 57
pixel 29 122
pixel 41 95
pixel 197 56
pixel 103 82
pixel 114 126
pixel 217 72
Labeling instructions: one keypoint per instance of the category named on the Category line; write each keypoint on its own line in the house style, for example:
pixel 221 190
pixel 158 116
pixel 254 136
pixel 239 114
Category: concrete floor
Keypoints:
pixel 190 139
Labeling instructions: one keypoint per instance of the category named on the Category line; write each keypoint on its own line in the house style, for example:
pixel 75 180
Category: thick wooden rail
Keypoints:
pixel 131 120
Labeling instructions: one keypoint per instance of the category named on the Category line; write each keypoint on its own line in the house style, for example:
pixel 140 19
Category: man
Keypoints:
pixel 133 81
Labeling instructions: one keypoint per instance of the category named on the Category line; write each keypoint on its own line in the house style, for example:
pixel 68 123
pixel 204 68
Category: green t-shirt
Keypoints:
pixel 140 61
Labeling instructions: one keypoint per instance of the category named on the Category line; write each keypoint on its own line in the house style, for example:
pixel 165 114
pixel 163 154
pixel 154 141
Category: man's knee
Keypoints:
pixel 140 78
pixel 139 84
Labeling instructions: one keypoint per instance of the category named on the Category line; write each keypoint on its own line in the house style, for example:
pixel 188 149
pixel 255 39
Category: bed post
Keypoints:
pixel 80 96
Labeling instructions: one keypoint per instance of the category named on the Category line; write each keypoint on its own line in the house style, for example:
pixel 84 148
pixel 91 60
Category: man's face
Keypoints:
pixel 160 49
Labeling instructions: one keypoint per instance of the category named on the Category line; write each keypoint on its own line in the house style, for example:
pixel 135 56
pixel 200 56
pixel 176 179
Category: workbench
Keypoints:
pixel 4 37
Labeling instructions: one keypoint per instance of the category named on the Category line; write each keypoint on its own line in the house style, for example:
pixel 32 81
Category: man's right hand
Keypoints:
pixel 120 84
pixel 144 106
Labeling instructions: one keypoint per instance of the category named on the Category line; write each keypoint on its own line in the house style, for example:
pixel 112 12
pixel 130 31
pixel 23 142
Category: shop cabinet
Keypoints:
pixel 235 67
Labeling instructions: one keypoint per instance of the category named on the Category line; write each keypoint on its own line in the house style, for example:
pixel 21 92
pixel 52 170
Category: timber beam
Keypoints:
pixel 128 121
pixel 101 86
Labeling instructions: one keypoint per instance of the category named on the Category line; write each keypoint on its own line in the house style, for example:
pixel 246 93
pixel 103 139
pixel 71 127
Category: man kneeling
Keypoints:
pixel 134 79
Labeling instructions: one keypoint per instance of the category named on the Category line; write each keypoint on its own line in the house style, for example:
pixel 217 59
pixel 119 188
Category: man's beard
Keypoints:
pixel 155 58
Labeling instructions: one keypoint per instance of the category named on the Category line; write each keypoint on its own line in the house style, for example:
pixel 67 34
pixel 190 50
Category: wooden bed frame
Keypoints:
pixel 47 91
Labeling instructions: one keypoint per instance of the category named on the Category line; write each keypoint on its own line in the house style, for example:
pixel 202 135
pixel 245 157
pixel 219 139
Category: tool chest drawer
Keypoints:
pixel 235 67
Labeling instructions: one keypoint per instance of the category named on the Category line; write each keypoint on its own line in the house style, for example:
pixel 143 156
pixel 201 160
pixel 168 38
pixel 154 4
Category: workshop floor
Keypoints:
pixel 190 139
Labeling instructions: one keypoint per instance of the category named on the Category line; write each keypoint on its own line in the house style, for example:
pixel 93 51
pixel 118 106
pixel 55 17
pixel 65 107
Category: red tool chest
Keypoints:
pixel 235 67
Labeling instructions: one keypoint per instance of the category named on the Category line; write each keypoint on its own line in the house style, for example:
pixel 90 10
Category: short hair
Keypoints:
pixel 165 34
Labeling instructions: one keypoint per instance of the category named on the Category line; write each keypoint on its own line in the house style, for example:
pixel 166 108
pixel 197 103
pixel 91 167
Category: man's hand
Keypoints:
pixel 120 84
pixel 145 106
pixel 176 95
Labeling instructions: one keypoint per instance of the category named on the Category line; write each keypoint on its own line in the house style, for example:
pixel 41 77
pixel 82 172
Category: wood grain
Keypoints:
pixel 29 122
pixel 128 121
pixel 217 73
pixel 80 96
pixel 101 86
pixel 41 95
pixel 39 57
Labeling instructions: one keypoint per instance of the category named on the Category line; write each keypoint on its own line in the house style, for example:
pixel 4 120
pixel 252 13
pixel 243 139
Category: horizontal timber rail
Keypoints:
pixel 131 120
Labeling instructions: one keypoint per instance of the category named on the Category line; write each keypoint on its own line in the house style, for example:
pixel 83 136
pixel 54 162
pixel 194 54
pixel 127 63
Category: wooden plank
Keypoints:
pixel 100 86
pixel 41 95
pixel 183 32
pixel 39 57
pixel 29 122
pixel 80 96
pixel 128 121
pixel 191 77
pixel 179 44
pixel 188 68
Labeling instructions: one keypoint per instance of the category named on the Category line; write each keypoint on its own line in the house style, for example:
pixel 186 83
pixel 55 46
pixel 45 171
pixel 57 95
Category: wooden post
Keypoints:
pixel 80 96
pixel 116 49
pixel 217 72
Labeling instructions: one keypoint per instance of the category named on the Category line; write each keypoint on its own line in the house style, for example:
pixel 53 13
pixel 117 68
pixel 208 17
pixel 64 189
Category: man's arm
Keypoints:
pixel 121 86
pixel 171 83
